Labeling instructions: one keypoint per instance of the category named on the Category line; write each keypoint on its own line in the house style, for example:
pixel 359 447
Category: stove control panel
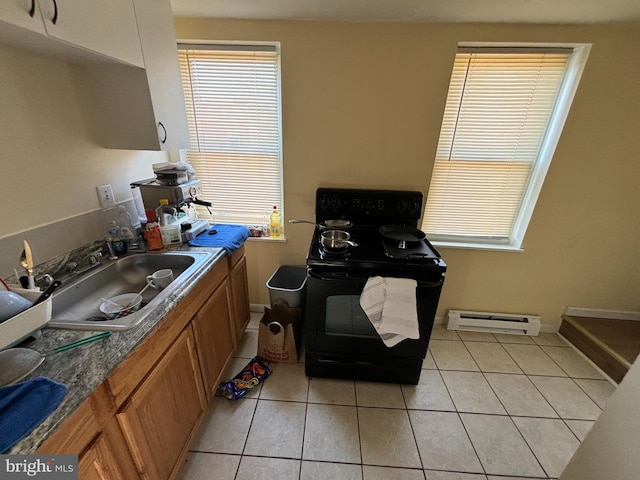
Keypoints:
pixel 353 204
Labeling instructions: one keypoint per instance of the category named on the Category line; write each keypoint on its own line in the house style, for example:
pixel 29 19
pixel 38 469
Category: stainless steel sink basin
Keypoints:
pixel 77 305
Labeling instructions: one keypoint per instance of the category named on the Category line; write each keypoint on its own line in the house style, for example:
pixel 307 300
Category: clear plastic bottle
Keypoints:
pixel 165 214
pixel 125 223
pixel 275 223
pixel 266 227
pixel 114 238
pixel 169 226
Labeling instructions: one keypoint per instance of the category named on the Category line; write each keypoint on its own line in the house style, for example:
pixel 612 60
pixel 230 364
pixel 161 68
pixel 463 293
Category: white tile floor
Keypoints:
pixel 488 407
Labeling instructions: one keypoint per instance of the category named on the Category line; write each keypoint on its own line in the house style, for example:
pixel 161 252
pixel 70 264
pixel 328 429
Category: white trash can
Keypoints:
pixel 289 282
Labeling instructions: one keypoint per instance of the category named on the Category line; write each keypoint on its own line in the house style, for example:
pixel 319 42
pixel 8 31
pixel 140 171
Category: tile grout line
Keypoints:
pixel 457 413
pixel 505 409
pixel 244 446
pixel 407 409
pixel 529 446
pixel 304 426
pixel 484 469
pixel 355 397
pixel 413 431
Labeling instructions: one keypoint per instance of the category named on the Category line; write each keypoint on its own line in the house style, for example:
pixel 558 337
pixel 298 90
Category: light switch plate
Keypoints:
pixel 105 196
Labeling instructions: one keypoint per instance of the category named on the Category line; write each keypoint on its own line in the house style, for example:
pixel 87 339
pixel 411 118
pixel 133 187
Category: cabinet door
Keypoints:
pixel 99 462
pixel 108 28
pixel 240 294
pixel 214 336
pixel 159 418
pixel 158 40
pixel 22 13
pixel 92 433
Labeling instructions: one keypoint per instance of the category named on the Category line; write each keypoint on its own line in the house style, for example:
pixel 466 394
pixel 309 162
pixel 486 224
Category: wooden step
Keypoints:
pixel 611 344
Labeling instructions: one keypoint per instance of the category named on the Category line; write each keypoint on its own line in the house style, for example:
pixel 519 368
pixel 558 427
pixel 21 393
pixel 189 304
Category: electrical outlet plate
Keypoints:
pixel 105 196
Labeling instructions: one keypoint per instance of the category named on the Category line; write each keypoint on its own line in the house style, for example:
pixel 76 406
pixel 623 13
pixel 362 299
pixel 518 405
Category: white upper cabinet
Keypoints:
pixel 78 29
pixel 158 39
pixel 129 46
pixel 21 14
pixel 145 109
pixel 107 28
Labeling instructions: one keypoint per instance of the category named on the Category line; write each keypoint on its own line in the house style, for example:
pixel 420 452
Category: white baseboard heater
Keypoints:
pixel 493 322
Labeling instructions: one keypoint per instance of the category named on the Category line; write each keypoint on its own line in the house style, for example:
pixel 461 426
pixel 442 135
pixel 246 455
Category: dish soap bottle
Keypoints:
pixel 114 238
pixel 275 223
pixel 152 233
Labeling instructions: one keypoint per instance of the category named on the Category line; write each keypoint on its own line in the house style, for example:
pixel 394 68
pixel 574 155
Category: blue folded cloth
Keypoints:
pixel 229 237
pixel 24 406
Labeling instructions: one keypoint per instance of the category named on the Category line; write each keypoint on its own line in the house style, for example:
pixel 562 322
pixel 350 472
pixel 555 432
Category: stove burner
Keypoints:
pixel 342 253
pixel 413 250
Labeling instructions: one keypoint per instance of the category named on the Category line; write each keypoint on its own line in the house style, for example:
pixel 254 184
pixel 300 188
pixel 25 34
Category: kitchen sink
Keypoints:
pixel 77 305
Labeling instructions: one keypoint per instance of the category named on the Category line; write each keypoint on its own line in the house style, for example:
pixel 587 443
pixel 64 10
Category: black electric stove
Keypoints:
pixel 368 210
pixel 340 341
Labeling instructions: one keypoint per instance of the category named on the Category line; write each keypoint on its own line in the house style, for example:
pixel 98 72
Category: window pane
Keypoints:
pixel 233 109
pixel 496 118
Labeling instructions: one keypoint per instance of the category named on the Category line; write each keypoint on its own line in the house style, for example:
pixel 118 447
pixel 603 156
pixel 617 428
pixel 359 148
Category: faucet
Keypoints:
pixel 92 260
pixel 44 281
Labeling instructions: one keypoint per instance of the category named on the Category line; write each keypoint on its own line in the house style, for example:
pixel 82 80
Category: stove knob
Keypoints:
pixel 414 206
pixel 402 205
pixel 324 203
pixel 335 203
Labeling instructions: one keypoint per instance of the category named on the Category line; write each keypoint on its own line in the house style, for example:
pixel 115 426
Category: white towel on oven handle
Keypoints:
pixel 390 305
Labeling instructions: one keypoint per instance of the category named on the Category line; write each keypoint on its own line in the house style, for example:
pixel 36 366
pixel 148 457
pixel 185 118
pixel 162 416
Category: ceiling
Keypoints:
pixel 456 11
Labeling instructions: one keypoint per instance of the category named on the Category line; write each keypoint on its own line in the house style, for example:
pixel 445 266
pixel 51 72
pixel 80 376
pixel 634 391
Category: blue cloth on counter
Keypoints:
pixel 24 406
pixel 229 237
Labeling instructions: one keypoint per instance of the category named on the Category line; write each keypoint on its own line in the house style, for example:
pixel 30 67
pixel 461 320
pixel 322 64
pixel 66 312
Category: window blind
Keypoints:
pixel 496 117
pixel 232 95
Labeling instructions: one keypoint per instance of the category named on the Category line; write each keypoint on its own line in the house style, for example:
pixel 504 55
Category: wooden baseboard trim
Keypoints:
pixel 598 313
pixel 609 361
pixel 257 307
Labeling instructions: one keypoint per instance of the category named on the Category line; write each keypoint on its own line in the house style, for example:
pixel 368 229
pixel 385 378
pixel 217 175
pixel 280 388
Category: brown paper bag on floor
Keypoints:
pixel 278 333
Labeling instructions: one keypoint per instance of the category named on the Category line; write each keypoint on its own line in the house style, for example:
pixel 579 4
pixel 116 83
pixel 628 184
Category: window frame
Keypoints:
pixel 575 67
pixel 246 46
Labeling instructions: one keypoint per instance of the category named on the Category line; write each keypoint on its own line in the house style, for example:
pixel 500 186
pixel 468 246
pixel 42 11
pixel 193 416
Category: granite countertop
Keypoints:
pixel 84 368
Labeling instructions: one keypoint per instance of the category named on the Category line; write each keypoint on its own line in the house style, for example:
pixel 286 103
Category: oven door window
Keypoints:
pixel 345 318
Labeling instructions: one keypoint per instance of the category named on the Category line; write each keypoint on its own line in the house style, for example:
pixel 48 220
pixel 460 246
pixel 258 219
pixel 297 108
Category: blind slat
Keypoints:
pixel 233 109
pixel 496 116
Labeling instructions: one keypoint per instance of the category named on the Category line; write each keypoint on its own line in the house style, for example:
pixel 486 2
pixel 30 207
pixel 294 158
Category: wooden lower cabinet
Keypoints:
pixel 93 433
pixel 239 292
pixel 213 329
pixel 100 462
pixel 159 418
pixel 139 422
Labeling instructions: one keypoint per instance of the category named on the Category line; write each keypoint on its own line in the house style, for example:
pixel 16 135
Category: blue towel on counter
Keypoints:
pixel 24 406
pixel 229 237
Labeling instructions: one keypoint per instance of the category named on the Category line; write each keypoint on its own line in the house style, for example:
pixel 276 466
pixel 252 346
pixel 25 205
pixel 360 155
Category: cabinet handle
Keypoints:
pixel 54 20
pixel 32 10
pixel 164 139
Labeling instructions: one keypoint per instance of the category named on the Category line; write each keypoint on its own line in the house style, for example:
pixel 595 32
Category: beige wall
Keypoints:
pixel 50 161
pixel 362 105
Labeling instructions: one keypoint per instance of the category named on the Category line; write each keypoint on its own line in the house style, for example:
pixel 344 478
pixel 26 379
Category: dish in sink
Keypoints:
pixel 77 305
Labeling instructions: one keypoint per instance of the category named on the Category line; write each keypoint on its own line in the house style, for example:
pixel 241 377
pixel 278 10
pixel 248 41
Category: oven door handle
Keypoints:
pixel 435 284
pixel 363 278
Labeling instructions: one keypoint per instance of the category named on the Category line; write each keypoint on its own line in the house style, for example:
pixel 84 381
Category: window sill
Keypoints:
pixel 282 239
pixel 478 246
